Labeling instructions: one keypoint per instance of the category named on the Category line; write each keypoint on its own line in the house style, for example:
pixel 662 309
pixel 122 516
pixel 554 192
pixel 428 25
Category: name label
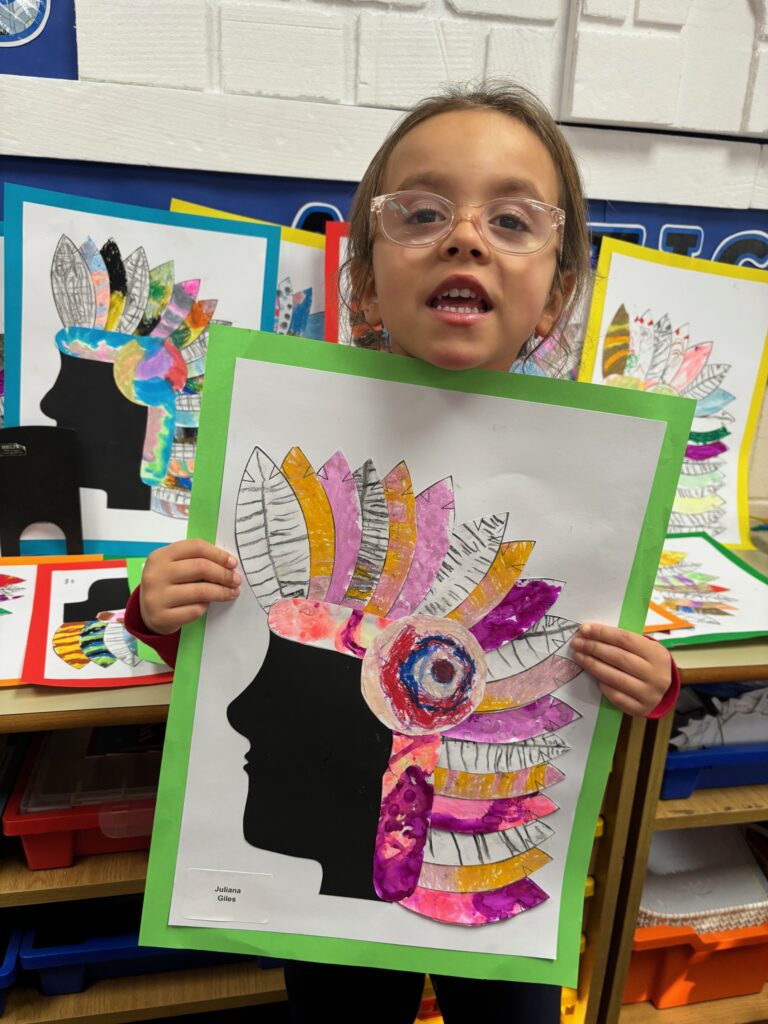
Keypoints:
pixel 211 895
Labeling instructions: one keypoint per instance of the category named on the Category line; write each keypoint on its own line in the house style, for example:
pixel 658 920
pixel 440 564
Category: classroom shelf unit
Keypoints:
pixel 118 1000
pixel 727 806
pixel 30 709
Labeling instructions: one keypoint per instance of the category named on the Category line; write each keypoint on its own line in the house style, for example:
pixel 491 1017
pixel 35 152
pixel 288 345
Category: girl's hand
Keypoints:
pixel 633 671
pixel 180 581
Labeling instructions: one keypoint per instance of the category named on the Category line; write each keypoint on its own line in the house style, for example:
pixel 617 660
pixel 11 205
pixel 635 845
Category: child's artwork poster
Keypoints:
pixel 383 753
pixel 337 326
pixel 76 634
pixel 300 297
pixel 108 312
pixel 2 325
pixel 717 593
pixel 675 325
pixel 661 620
pixel 17 592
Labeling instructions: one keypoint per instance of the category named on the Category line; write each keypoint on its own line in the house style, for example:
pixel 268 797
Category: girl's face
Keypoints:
pixel 469 157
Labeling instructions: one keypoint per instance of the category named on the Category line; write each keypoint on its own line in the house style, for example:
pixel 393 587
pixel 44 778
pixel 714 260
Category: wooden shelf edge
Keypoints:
pixel 36 721
pixel 112 874
pixel 733 805
pixel 120 1000
pixel 752 1009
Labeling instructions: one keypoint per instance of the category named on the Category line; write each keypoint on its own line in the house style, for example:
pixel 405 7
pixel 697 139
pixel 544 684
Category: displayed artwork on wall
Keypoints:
pixel 76 633
pixel 410 592
pixel 300 298
pixel 108 310
pixel 666 324
pixel 337 325
pixel 37 37
pixel 18 577
pixel 2 325
pixel 718 594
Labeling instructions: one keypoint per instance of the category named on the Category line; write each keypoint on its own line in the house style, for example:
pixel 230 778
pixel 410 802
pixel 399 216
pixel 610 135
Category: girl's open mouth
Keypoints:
pixel 459 300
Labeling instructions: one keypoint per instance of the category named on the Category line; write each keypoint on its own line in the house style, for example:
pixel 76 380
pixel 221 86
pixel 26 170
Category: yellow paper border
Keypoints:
pixel 611 246
pixel 297 235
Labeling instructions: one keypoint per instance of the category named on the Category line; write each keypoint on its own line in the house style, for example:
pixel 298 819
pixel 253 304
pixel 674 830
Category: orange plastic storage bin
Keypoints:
pixel 679 966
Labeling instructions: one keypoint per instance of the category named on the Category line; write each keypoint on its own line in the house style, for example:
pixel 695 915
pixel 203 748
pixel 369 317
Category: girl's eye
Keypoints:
pixel 424 215
pixel 511 220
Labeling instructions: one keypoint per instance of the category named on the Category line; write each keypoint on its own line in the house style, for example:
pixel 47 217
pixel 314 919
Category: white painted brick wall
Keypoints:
pixel 609 10
pixel 534 51
pixel 278 51
pixel 663 12
pixel 694 65
pixel 626 77
pixel 532 10
pixel 402 58
pixel 152 42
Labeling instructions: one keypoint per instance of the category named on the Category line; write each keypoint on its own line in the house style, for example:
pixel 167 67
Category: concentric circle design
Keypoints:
pixel 423 675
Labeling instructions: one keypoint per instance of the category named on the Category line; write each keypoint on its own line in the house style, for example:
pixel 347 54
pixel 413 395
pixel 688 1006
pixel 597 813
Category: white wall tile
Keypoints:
pixel 627 77
pixel 757 118
pixel 663 12
pixel 718 41
pixel 146 42
pixel 610 10
pixel 401 59
pixel 279 51
pixel 529 54
pixel 531 10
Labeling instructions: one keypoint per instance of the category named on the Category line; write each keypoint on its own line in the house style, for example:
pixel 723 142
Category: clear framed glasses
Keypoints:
pixel 516 226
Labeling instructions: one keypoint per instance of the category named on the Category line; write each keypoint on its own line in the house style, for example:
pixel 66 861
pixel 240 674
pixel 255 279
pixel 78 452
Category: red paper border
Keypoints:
pixel 37 641
pixel 335 230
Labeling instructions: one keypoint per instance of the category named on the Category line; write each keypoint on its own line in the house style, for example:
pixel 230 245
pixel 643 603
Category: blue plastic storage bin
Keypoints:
pixel 72 945
pixel 687 770
pixel 10 953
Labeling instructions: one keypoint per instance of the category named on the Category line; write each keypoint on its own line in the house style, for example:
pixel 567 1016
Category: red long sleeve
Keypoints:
pixel 166 646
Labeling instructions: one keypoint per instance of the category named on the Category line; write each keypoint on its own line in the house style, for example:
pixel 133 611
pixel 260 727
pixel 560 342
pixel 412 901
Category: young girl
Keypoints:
pixel 468 241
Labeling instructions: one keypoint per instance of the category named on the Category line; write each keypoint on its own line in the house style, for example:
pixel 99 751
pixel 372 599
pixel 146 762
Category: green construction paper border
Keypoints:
pixel 716 638
pixel 225 347
pixel 135 569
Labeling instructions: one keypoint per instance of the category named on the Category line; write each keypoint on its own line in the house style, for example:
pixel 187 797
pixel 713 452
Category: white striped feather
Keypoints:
pixel 121 644
pixel 499 758
pixel 472 549
pixel 137 291
pixel 688 519
pixel 457 848
pixel 543 639
pixel 271 533
pixel 73 291
pixel 711 377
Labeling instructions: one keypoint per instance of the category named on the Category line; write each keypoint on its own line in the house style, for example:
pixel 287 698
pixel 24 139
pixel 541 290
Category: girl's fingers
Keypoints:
pixel 633 643
pixel 193 570
pixel 197 548
pixel 608 653
pixel 186 594
pixel 614 677
pixel 624 701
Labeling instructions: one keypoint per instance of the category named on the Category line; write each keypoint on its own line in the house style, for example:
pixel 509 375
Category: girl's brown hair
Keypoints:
pixel 519 103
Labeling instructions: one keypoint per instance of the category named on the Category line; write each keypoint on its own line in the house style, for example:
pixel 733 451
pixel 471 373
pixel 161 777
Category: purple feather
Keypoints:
pixel 523 606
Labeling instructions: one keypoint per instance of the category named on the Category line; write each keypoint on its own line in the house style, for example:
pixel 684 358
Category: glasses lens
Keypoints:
pixel 415 218
pixel 514 225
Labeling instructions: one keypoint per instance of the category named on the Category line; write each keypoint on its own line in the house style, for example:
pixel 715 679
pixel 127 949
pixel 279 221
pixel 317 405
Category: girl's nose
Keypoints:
pixel 465 239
